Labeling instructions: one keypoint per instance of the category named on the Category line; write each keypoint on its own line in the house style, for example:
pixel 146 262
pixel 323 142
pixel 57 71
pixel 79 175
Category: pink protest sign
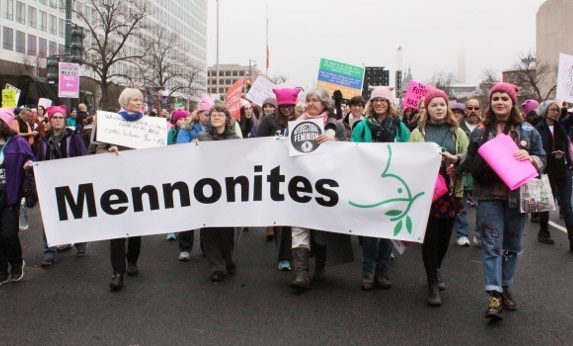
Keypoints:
pixel 69 80
pixel 498 153
pixel 414 94
pixel 234 98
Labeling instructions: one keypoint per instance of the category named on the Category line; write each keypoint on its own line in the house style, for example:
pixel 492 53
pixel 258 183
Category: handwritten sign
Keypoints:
pixel 414 94
pixel 147 132
pixel 9 98
pixel 233 98
pixel 565 78
pixel 261 89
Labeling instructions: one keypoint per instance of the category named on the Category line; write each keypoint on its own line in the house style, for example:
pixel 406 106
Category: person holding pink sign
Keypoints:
pixel 441 126
pixel 499 219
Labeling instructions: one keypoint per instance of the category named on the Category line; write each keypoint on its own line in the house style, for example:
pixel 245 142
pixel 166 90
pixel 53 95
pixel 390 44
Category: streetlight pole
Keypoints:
pixel 217 62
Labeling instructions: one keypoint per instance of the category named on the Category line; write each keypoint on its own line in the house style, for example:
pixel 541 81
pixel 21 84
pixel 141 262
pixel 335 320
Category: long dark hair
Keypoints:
pixel 514 119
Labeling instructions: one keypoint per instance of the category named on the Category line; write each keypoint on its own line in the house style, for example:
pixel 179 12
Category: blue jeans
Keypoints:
pixel 376 253
pixel 52 251
pixel 461 224
pixel 501 230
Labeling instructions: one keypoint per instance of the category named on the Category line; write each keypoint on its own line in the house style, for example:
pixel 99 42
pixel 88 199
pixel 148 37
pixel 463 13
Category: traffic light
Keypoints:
pixel 249 84
pixel 77 45
pixel 52 67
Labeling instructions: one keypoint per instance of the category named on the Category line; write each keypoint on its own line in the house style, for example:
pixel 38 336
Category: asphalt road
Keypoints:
pixel 174 303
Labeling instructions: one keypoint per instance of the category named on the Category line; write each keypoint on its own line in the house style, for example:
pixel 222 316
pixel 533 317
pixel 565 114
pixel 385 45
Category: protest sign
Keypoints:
pixel 233 98
pixel 44 102
pixel 414 94
pixel 565 78
pixel 9 98
pixel 334 75
pixel 146 132
pixel 302 136
pixel 69 80
pixel 261 89
pixel 236 183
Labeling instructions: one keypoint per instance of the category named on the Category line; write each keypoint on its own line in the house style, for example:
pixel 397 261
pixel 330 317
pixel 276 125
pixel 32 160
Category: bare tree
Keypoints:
pixel 112 25
pixel 32 65
pixel 532 77
pixel 443 81
pixel 166 65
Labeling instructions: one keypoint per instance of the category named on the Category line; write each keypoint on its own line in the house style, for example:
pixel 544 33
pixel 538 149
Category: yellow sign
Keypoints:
pixel 9 97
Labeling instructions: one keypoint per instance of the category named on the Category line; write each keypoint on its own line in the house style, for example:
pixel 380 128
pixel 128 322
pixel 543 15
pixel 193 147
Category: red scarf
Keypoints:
pixel 323 116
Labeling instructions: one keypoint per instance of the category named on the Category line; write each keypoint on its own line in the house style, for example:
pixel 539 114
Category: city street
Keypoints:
pixel 174 303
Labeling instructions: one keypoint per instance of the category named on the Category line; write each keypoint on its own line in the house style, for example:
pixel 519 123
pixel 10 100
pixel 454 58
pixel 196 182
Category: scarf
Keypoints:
pixel 130 116
pixel 382 132
pixel 323 116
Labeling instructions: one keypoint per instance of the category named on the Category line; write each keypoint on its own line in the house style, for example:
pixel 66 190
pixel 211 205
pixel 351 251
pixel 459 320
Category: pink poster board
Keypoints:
pixel 498 153
pixel 233 98
pixel 414 94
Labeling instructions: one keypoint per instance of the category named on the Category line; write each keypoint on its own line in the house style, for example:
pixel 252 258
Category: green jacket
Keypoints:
pixel 361 133
pixel 461 142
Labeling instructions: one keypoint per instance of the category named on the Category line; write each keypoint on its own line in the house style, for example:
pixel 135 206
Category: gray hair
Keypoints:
pixel 323 96
pixel 128 94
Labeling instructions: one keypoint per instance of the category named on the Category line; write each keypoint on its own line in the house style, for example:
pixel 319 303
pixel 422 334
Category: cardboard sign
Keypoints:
pixel 565 78
pixel 233 98
pixel 261 89
pixel 147 132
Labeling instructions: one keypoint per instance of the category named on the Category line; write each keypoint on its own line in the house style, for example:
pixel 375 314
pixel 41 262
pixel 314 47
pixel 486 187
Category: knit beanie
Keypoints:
pixel 432 93
pixel 50 111
pixel 509 88
pixel 178 114
pixel 7 114
pixel 384 92
pixel 205 104
pixel 529 105
pixel 286 96
pixel 270 101
pixel 544 107
pixel 459 107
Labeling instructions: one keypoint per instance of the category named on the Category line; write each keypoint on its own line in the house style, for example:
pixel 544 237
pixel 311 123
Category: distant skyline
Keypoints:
pixel 433 35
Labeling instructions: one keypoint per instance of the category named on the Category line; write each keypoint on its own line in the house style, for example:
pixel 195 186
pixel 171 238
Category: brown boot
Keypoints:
pixel 434 298
pixel 270 233
pixel 319 263
pixel 300 260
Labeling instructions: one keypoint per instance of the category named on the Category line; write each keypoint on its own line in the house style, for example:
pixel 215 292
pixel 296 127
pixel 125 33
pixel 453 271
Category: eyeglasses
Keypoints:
pixel 470 108
pixel 57 118
pixel 377 100
pixel 218 115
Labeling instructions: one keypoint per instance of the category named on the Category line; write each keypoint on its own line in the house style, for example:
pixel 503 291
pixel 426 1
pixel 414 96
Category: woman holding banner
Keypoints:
pixel 499 219
pixel 15 156
pixel 131 102
pixel 334 246
pixel 440 126
pixel 219 242
pixel 381 125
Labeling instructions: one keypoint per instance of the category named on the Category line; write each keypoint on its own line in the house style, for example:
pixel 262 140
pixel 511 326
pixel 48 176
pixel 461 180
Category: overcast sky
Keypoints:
pixel 433 34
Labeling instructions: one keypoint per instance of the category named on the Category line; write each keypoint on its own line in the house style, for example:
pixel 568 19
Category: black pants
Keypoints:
pixel 435 245
pixel 219 244
pixel 186 240
pixel 283 242
pixel 10 247
pixel 119 254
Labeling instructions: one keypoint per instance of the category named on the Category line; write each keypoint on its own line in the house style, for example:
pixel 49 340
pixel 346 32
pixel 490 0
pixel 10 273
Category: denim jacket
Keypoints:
pixel 527 138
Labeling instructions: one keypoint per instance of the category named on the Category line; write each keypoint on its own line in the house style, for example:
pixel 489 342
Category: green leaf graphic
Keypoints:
pixel 409 224
pixel 393 212
pixel 398 228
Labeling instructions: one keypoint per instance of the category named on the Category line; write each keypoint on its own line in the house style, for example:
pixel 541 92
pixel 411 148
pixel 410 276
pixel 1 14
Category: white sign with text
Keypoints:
pixel 147 132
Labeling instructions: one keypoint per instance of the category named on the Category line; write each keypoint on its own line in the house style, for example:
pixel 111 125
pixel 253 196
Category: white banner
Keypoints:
pixel 371 189
pixel 147 132
pixel 565 78
pixel 260 90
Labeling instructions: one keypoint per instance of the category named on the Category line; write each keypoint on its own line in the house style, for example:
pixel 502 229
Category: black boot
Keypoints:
pixel 434 298
pixel 319 262
pixel 116 282
pixel 545 238
pixel 441 283
pixel 300 260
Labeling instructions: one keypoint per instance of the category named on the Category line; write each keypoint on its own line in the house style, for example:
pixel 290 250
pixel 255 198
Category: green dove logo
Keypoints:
pixel 404 196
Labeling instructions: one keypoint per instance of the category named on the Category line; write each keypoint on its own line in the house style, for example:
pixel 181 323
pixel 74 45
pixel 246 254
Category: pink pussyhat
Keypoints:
pixel 205 104
pixel 56 109
pixel 286 96
pixel 508 88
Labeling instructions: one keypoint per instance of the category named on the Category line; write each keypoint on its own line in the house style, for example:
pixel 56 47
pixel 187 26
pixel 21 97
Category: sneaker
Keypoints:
pixel 545 239
pixel 46 262
pixel 184 256
pixel 284 266
pixel 17 271
pixel 132 269
pixel 81 253
pixel 477 241
pixel 507 301
pixel 367 282
pixel 463 241
pixel 4 277
pixel 471 202
pixel 494 310
pixel 171 236
pixel 382 280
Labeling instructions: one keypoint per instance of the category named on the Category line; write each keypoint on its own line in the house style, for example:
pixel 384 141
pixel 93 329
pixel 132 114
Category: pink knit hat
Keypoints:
pixel 205 104
pixel 178 114
pixel 432 93
pixel 56 109
pixel 286 96
pixel 529 105
pixel 384 92
pixel 509 88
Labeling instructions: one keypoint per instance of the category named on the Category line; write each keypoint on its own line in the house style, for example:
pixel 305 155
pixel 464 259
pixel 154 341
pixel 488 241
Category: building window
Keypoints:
pixel 20 12
pixel 53 25
pixel 53 48
pixel 32 45
pixel 8 38
pixel 20 42
pixel 8 9
pixel 228 73
pixel 32 17
pixel 61 49
pixel 43 47
pixel 62 27
pixel 54 3
pixel 43 21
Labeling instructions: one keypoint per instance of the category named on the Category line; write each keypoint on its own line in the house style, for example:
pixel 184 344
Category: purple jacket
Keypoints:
pixel 16 152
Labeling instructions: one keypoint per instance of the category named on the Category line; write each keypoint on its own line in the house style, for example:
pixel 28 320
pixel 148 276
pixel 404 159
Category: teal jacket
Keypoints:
pixel 362 134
